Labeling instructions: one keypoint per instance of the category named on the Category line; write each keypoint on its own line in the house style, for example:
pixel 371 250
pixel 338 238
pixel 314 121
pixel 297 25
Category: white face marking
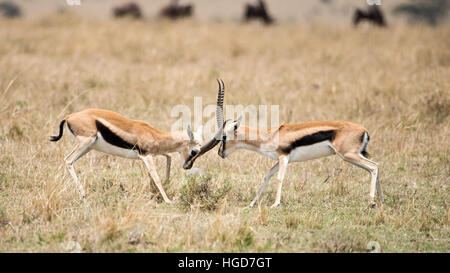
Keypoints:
pixel 309 152
pixel 103 146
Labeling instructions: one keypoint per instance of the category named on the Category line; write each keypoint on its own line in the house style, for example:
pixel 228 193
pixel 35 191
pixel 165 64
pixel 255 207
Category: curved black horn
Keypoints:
pixel 219 109
pixel 218 136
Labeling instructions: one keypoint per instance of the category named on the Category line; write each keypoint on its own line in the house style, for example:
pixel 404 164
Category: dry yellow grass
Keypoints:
pixel 394 81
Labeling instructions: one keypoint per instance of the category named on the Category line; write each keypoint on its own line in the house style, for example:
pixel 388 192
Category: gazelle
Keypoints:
pixel 111 133
pixel 295 143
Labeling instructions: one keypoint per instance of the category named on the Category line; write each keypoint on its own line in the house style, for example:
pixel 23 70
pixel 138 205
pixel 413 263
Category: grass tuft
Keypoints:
pixel 200 192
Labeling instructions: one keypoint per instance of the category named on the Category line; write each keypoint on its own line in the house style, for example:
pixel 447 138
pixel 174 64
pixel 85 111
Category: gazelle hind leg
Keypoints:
pixel 359 160
pixel 378 184
pixel 283 161
pixel 74 149
pixel 272 171
pixel 148 161
pixel 168 163
pixel 380 192
pixel 82 148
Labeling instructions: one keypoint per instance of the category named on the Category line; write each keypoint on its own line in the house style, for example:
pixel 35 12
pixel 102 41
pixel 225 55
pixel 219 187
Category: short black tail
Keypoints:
pixel 364 147
pixel 61 129
pixel 365 154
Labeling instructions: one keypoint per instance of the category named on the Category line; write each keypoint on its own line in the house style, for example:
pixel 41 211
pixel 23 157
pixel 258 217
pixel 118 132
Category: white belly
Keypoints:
pixel 309 152
pixel 103 146
pixel 270 154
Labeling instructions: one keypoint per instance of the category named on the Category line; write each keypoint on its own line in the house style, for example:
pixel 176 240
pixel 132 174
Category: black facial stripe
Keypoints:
pixel 224 142
pixel 310 139
pixel 116 140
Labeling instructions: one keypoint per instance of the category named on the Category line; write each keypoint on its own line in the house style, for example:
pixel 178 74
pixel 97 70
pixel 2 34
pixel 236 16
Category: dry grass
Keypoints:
pixel 395 81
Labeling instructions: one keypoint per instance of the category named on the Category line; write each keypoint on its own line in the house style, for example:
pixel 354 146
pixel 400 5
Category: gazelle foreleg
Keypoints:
pixel 283 161
pixel 272 171
pixel 82 148
pixel 168 163
pixel 150 165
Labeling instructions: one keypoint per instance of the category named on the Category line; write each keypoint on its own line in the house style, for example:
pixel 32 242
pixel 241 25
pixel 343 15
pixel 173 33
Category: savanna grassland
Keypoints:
pixel 394 81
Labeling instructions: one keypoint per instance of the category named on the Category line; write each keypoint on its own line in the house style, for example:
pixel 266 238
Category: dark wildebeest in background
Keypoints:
pixel 175 10
pixel 258 11
pixel 372 14
pixel 427 11
pixel 127 9
pixel 10 10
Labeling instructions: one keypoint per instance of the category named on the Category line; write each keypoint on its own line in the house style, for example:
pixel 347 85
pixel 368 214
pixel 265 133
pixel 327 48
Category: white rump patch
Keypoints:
pixel 68 130
pixel 365 142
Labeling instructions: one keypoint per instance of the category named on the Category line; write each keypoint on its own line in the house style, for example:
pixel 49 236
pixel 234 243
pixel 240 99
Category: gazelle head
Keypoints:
pixel 195 152
pixel 229 137
pixel 195 144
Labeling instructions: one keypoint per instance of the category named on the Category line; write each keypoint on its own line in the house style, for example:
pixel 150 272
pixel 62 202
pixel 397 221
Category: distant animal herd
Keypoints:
pixel 256 10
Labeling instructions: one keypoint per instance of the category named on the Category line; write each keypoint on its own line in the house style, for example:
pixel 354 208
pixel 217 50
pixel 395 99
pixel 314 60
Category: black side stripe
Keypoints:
pixel 116 140
pixel 310 139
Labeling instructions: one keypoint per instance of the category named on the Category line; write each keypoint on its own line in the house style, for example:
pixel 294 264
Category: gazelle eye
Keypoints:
pixel 193 153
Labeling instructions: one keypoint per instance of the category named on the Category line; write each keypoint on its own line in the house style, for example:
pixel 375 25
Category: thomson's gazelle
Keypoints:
pixel 301 142
pixel 296 143
pixel 111 133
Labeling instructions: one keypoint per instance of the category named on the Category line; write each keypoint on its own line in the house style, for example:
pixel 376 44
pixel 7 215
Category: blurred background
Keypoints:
pixel 293 11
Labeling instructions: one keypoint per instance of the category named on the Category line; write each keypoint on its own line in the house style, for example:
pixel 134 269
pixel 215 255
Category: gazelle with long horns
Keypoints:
pixel 295 143
pixel 111 133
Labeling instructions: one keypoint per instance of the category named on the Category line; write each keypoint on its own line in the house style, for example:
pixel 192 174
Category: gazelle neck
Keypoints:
pixel 252 136
pixel 173 141
pixel 261 141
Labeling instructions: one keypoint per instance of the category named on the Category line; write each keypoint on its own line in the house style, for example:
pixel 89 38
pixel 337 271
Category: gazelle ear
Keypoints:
pixel 190 134
pixel 238 122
